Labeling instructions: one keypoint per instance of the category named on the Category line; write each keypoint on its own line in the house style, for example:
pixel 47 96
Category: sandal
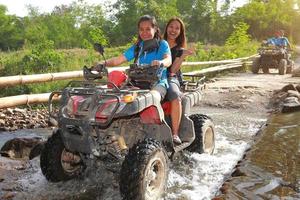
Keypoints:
pixel 176 139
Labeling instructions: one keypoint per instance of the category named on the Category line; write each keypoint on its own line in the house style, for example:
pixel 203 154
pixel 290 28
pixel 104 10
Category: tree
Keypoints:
pixel 11 31
pixel 264 17
pixel 129 12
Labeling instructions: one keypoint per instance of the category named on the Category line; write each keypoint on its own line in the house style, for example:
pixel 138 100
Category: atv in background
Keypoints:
pixel 125 128
pixel 273 57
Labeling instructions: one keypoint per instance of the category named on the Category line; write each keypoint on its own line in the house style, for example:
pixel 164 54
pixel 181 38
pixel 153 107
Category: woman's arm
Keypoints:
pixel 115 61
pixel 166 61
pixel 178 60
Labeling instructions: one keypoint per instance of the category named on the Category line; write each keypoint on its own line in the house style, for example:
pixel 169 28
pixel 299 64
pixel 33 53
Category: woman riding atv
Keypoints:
pixel 158 56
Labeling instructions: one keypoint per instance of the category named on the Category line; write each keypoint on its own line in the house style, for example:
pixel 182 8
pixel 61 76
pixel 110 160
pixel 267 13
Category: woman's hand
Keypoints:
pixel 156 63
pixel 187 52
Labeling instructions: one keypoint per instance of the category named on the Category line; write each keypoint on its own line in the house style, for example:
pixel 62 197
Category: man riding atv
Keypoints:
pixel 274 53
pixel 279 40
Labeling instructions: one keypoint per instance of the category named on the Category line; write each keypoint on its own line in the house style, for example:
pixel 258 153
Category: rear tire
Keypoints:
pixel 290 68
pixel 282 66
pixel 255 66
pixel 204 134
pixel 53 160
pixel 144 172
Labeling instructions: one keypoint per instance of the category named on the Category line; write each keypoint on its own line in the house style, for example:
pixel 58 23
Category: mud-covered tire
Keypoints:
pixel 255 66
pixel 282 66
pixel 290 67
pixel 204 134
pixel 52 165
pixel 265 69
pixel 144 172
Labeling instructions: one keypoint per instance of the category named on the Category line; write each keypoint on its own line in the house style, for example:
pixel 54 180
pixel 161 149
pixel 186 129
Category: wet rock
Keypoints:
pixel 288 87
pixel 293 93
pixel 296 72
pixel 237 172
pixel 8 196
pixel 224 188
pixel 22 148
pixel 287 108
pixel 292 100
pixel 36 150
pixel 298 88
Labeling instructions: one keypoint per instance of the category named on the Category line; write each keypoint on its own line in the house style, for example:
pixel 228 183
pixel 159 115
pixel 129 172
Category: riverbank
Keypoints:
pixel 270 169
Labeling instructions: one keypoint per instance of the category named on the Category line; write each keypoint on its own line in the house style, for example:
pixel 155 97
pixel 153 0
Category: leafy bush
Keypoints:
pixel 43 58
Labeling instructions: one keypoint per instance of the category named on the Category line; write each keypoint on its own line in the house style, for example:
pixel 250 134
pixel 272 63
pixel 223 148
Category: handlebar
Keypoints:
pixel 89 75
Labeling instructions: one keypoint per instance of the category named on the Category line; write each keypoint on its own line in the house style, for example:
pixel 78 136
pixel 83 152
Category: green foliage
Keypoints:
pixel 264 17
pixel 239 35
pixel 130 11
pixel 97 35
pixel 43 58
pixel 11 31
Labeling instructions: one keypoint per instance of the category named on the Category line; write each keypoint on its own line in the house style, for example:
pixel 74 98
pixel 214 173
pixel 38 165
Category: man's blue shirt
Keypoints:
pixel 148 57
pixel 281 41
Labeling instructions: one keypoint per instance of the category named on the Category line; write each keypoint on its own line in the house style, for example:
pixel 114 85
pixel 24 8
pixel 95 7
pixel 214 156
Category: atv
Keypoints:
pixel 124 127
pixel 273 57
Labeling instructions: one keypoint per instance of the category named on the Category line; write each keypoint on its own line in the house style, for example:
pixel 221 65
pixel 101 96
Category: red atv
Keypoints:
pixel 125 128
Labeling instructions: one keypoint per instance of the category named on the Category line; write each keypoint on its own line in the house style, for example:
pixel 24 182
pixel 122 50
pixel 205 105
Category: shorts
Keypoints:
pixel 161 89
pixel 173 91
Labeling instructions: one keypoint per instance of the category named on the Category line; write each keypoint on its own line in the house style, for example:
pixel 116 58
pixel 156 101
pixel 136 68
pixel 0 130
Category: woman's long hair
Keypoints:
pixel 154 25
pixel 181 39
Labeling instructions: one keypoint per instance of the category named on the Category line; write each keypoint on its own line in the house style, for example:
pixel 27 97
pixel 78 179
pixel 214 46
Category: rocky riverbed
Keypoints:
pixel 12 119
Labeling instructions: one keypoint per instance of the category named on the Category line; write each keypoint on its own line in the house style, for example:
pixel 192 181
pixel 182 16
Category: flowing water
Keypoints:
pixel 192 176
pixel 272 167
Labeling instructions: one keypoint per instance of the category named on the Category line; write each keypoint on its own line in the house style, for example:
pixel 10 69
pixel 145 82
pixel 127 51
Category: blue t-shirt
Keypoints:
pixel 280 41
pixel 148 57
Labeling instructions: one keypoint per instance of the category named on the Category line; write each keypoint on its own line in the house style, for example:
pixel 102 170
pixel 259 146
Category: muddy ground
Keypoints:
pixel 239 92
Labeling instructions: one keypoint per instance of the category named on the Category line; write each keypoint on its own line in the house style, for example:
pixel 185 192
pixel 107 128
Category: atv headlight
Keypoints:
pixel 109 108
pixel 69 108
pixel 75 106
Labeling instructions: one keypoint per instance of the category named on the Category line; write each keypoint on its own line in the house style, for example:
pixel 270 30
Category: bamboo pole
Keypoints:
pixel 38 78
pixel 214 69
pixel 12 101
pixel 219 61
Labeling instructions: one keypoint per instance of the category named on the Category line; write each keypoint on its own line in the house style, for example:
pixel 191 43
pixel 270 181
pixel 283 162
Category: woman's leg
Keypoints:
pixel 174 96
pixel 176 112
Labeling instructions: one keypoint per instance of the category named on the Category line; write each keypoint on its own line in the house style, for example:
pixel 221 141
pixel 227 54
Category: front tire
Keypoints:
pixel 282 66
pixel 57 163
pixel 144 172
pixel 255 66
pixel 204 134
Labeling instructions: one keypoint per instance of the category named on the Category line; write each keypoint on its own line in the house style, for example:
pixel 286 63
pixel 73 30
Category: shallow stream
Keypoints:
pixel 192 176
